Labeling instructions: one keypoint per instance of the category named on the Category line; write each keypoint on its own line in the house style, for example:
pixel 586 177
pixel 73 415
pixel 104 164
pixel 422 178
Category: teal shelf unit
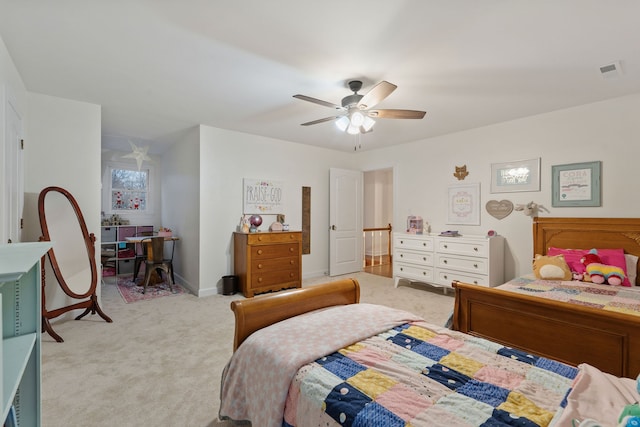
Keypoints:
pixel 20 321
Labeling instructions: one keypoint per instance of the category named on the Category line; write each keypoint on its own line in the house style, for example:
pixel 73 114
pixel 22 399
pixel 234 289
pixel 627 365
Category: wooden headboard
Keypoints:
pixel 256 313
pixel 587 233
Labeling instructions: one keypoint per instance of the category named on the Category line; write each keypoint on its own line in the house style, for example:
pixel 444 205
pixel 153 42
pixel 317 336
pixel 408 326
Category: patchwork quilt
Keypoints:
pixel 611 298
pixel 401 371
pixel 419 375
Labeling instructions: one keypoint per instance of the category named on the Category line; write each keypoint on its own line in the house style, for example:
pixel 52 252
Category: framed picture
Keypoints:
pixel 463 204
pixel 510 177
pixel 576 184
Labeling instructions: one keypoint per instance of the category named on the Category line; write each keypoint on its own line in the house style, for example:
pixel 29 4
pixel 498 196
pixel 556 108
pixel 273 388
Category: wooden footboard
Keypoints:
pixel 565 332
pixel 264 310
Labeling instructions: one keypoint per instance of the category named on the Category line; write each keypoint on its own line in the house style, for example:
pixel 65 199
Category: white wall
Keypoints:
pixel 62 149
pixel 226 158
pixel 181 206
pixel 607 131
pixel 12 87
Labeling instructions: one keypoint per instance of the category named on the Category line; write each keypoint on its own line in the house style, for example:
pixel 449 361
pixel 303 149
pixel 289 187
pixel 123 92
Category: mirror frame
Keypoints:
pixel 90 305
pixel 89 241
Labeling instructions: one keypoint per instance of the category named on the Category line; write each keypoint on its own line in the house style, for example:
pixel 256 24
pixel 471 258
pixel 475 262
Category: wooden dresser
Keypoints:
pixel 267 261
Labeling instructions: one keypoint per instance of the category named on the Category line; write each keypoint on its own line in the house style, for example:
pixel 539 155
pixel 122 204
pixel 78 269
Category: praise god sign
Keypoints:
pixel 262 196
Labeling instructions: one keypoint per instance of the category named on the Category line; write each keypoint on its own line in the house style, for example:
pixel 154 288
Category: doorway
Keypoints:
pixel 377 220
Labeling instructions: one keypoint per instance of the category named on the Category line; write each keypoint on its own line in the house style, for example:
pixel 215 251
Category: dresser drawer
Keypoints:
pixel 420 258
pixel 262 279
pixel 408 271
pixel 445 277
pixel 414 242
pixel 272 264
pixel 466 264
pixel 268 238
pixel 274 251
pixel 462 247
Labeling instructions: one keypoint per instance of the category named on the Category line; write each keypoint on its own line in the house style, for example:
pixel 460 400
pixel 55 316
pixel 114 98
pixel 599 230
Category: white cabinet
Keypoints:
pixel 440 260
pixel 20 357
pixel 118 255
pixel 413 258
pixel 472 259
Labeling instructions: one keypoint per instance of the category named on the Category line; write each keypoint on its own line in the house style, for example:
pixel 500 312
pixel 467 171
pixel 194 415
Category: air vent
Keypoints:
pixel 612 70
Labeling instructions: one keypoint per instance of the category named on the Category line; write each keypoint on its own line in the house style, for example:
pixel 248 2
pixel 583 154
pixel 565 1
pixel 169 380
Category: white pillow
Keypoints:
pixel 632 267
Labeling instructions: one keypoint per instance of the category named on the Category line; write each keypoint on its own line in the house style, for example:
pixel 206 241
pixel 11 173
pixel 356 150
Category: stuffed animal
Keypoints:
pixel 551 268
pixel 630 416
pixel 601 273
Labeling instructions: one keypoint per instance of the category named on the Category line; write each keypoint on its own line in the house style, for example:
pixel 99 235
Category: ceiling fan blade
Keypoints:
pixel 318 101
pixel 315 122
pixel 396 114
pixel 376 95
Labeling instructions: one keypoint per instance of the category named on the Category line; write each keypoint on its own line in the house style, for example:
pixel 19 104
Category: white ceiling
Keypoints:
pixel 158 67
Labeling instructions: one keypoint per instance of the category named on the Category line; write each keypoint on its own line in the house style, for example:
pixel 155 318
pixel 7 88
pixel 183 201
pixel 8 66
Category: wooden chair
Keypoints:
pixel 155 261
pixel 141 254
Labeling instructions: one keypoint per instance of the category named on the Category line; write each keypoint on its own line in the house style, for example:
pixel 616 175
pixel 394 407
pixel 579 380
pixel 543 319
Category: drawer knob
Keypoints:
pixel 424 273
pixel 260 279
pixel 401 269
pixel 401 255
pixel 475 282
pixel 475 249
pixel 291 262
pixel 290 249
pixel 445 246
pixel 424 258
pixel 290 274
pixel 259 251
pixel 402 242
pixel 475 265
pixel 260 238
pixel 444 261
pixel 445 276
pixel 259 265
pixel 424 243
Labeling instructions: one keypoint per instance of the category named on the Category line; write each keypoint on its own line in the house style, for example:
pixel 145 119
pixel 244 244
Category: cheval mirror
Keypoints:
pixel 72 255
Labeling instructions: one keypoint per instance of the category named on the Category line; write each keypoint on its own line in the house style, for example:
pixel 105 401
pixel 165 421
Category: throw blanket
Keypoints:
pixel 612 298
pixel 256 379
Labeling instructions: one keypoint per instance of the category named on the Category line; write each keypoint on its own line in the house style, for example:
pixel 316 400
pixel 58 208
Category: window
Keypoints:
pixel 129 189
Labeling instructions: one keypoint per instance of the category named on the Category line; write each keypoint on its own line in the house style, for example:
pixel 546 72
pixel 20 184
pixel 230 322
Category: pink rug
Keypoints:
pixel 131 292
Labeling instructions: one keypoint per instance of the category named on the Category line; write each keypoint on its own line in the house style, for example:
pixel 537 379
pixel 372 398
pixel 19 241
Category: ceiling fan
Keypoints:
pixel 356 112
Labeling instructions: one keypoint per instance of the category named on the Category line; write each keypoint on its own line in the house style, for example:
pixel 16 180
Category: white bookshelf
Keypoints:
pixel 20 320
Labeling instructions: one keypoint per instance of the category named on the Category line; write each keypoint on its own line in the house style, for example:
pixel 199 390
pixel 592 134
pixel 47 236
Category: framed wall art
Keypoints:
pixel 510 177
pixel 576 184
pixel 463 204
pixel 261 196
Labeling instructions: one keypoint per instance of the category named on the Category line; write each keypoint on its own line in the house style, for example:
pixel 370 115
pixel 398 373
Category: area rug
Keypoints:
pixel 132 292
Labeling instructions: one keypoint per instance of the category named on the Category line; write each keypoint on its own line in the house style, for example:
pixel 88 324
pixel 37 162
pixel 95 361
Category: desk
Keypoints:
pixel 149 252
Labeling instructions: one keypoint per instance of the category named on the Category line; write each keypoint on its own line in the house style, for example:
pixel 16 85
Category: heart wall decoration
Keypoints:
pixel 499 209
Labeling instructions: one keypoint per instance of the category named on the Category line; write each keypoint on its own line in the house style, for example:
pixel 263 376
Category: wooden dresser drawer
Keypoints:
pixel 271 264
pixel 275 237
pixel 262 279
pixel 274 251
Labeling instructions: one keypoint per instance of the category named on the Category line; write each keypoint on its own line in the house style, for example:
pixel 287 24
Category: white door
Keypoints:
pixel 345 221
pixel 13 178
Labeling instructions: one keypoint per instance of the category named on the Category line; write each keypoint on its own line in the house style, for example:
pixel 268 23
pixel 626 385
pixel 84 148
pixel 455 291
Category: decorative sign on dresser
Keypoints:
pixel 267 261
pixel 438 260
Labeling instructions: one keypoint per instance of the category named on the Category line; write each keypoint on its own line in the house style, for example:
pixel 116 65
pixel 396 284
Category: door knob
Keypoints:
pixel 333 227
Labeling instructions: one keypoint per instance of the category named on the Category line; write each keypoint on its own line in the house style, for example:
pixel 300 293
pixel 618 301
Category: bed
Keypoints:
pixel 316 356
pixel 562 331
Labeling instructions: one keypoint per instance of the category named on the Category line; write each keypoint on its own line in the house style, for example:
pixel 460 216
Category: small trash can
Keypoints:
pixel 229 285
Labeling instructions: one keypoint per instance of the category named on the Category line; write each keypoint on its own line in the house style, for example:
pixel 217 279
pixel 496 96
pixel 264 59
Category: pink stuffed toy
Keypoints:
pixel 601 273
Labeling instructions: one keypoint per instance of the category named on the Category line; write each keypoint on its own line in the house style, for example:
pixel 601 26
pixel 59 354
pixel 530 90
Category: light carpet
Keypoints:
pixel 160 362
pixel 132 291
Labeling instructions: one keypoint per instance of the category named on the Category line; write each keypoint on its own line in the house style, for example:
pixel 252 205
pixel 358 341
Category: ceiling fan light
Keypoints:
pixel 357 119
pixel 368 123
pixel 353 130
pixel 342 123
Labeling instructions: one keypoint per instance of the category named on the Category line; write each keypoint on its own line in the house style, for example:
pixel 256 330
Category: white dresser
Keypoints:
pixel 440 260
